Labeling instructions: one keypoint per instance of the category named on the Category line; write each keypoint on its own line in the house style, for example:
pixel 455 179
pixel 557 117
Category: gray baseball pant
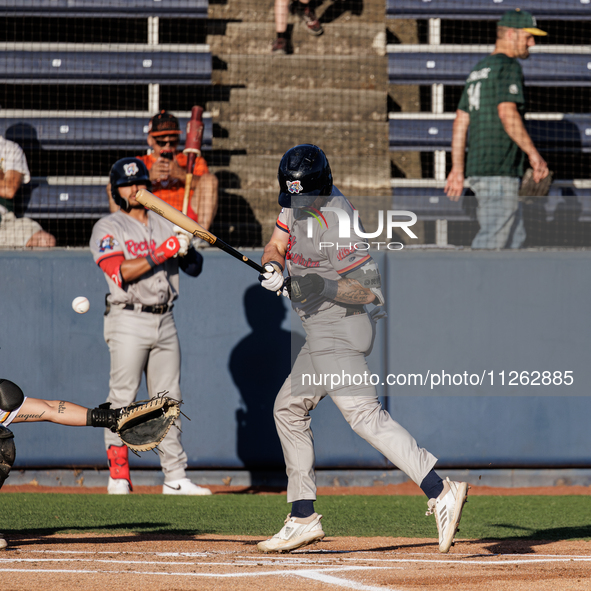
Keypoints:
pixel 332 346
pixel 141 342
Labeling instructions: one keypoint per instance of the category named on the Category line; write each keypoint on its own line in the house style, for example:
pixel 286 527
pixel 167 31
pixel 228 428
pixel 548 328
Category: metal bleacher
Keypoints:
pixel 487 9
pixel 427 132
pixel 437 65
pixel 425 197
pixel 451 64
pixel 81 63
pixel 56 64
pixel 61 130
pixel 102 8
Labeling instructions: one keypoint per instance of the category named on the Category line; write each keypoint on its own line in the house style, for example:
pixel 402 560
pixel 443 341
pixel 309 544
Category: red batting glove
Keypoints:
pixel 164 252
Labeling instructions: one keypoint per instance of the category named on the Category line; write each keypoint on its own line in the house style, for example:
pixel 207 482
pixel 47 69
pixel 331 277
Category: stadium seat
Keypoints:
pixel 427 132
pixel 60 63
pixel 429 64
pixel 105 131
pixel 487 9
pixel 424 197
pixel 105 8
pixel 52 198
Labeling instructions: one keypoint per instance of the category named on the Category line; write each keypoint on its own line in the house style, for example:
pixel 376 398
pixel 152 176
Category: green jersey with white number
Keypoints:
pixel 491 152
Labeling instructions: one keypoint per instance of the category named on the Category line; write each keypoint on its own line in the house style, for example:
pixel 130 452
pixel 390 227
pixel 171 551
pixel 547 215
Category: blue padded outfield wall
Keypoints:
pixel 449 311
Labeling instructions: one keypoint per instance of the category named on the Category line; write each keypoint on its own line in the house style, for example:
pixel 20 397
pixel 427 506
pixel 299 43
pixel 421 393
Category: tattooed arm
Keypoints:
pixel 55 411
pixel 350 291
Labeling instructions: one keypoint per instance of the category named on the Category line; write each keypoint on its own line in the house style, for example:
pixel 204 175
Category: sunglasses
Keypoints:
pixel 162 143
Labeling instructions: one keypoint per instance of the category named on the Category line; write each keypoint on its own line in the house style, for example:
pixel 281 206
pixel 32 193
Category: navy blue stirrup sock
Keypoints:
pixel 432 485
pixel 302 509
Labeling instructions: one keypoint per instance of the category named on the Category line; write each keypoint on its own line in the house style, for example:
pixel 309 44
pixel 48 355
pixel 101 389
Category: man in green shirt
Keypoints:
pixel 492 106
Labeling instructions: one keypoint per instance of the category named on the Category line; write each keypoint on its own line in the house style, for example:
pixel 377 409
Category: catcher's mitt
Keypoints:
pixel 530 189
pixel 143 425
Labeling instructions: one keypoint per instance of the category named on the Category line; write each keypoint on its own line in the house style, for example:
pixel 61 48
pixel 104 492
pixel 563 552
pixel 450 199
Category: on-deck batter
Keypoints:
pixel 329 288
pixel 140 254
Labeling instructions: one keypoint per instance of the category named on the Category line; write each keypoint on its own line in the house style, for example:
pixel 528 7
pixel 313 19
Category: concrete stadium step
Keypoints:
pixel 258 104
pixel 363 11
pixel 338 39
pixel 353 175
pixel 351 139
pixel 295 71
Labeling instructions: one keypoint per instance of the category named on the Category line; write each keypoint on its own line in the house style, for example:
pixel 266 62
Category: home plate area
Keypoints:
pixel 96 562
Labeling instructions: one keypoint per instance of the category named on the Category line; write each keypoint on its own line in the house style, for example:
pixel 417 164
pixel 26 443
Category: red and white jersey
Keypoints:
pixel 119 237
pixel 315 246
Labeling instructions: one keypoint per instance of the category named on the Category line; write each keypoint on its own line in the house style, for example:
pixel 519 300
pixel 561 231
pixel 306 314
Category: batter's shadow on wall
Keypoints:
pixel 259 364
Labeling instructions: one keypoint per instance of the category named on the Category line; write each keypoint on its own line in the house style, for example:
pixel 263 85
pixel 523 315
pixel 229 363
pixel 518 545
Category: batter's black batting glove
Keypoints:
pixel 103 416
pixel 301 288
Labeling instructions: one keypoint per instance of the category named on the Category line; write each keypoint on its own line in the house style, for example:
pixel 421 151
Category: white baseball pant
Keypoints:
pixel 142 342
pixel 332 346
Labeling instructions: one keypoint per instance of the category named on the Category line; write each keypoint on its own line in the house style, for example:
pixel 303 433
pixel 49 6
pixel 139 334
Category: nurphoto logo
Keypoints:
pixel 400 219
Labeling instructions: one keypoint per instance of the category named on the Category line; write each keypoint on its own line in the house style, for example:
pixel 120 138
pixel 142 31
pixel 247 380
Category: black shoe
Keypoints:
pixel 308 16
pixel 279 46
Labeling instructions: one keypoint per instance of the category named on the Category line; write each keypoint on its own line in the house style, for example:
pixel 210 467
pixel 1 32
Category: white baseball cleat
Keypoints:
pixel 118 486
pixel 448 511
pixel 3 542
pixel 184 487
pixel 296 532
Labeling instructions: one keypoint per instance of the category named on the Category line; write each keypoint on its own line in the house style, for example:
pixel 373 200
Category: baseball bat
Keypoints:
pixel 173 215
pixel 192 149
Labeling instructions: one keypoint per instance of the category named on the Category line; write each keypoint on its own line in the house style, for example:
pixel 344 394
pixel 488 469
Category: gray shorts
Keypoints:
pixel 16 232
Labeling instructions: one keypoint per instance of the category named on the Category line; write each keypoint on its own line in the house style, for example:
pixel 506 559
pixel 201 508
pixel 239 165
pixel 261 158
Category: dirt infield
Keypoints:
pixel 97 562
pixel 408 488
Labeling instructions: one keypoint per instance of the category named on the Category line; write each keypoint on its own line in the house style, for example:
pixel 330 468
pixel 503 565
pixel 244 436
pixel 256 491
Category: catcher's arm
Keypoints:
pixel 62 412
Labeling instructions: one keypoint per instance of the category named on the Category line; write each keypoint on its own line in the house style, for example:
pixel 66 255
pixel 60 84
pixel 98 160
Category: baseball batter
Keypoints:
pixel 329 287
pixel 140 254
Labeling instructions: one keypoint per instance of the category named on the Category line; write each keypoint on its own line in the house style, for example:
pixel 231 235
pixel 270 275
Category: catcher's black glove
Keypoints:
pixel 301 288
pixel 143 425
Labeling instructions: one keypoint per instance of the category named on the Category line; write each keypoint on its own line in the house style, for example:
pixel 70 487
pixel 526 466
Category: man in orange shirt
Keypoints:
pixel 168 170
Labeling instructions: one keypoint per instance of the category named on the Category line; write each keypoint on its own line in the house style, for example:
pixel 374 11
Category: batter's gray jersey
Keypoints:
pixel 326 252
pixel 336 345
pixel 121 237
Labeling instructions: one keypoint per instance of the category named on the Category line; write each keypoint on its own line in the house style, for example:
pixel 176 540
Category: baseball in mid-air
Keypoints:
pixel 80 305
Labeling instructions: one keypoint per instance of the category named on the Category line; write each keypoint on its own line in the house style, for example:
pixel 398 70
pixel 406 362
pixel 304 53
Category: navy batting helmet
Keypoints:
pixel 304 173
pixel 127 172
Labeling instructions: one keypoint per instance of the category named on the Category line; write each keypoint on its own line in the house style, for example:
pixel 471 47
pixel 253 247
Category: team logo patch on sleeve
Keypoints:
pixel 107 243
pixel 513 89
pixel 130 169
pixel 294 186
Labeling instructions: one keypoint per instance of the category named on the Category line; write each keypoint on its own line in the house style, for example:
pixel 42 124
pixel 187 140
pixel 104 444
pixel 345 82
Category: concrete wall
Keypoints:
pixel 448 311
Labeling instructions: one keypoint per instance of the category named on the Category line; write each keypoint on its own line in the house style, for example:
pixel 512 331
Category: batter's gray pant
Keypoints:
pixel 332 346
pixel 141 342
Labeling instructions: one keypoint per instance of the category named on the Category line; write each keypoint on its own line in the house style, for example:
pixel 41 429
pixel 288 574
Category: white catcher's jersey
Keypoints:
pixel 118 234
pixel 324 252
pixel 6 417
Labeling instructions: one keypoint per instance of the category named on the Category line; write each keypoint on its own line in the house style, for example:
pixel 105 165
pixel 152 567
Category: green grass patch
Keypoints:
pixel 534 518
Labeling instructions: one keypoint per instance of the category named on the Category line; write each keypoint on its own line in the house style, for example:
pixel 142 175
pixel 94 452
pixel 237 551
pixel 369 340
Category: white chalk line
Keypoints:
pixel 314 575
pixel 479 562
pixel 323 578
pixel 320 574
pixel 260 558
